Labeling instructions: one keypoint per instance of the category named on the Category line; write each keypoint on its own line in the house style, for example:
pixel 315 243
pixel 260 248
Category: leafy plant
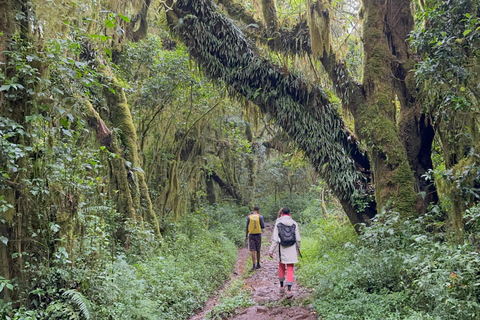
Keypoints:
pixel 233 298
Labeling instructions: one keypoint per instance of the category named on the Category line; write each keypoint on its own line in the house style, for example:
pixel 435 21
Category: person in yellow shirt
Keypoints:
pixel 254 229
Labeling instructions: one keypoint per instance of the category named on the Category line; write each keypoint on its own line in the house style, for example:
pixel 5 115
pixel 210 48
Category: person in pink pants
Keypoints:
pixel 287 254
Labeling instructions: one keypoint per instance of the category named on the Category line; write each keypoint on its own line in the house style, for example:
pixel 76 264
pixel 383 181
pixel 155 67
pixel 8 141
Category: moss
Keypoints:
pixel 270 15
pixel 376 121
pixel 462 176
pixel 318 17
pixel 121 118
pixel 303 110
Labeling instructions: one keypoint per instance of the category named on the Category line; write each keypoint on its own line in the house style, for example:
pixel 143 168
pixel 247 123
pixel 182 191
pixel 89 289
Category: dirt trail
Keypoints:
pixel 264 286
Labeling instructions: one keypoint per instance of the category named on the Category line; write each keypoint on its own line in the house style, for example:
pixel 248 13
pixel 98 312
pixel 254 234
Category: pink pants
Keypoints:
pixel 281 272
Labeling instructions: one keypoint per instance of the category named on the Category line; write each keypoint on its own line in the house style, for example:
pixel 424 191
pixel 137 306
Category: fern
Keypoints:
pixel 79 300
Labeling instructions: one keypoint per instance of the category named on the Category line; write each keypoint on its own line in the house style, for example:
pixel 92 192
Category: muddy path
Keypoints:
pixel 264 286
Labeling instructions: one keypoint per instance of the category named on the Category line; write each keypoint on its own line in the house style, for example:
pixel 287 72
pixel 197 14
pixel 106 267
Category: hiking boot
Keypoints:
pixel 253 268
pixel 258 266
pixel 282 290
pixel 289 294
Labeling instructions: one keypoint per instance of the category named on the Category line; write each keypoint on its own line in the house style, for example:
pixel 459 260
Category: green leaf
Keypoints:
pixel 5 87
pixel 124 17
pixel 109 23
pixel 5 241
pixel 466 32
pixel 64 122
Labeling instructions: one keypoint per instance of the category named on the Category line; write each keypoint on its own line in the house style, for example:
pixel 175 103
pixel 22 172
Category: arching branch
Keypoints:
pixel 302 109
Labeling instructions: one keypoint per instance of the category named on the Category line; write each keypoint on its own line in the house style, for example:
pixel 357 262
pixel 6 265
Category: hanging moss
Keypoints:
pixel 301 109
pixel 121 118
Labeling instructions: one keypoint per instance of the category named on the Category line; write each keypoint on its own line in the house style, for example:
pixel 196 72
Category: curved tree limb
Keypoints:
pixel 303 110
pixel 298 40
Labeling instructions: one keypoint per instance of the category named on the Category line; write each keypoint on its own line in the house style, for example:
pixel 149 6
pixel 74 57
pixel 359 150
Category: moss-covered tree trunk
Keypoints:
pixel 376 119
pixel 16 106
pixel 118 169
pixel 6 24
pixel 121 118
pixel 251 167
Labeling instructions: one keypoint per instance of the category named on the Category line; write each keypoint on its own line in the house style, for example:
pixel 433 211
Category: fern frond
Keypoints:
pixel 80 301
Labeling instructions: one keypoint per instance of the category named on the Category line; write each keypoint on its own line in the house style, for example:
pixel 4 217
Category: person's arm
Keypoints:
pixel 274 240
pixel 297 237
pixel 262 222
pixel 246 228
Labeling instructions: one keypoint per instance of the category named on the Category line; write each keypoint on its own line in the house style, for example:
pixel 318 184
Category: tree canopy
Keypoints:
pixel 124 125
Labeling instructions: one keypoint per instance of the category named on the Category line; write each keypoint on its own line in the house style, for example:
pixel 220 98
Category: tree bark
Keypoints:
pixel 121 118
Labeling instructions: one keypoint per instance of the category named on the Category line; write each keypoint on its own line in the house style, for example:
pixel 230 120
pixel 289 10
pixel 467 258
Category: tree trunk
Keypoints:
pixel 120 174
pixel 252 172
pixel 15 107
pixel 210 189
pixel 376 119
pixel 121 118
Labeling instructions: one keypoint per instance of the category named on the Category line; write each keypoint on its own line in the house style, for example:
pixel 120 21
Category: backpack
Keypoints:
pixel 254 226
pixel 286 234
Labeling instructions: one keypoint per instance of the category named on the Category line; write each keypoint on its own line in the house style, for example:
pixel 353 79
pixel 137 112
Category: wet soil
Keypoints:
pixel 264 286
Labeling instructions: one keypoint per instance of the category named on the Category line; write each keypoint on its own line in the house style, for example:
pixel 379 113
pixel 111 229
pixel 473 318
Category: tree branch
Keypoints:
pixel 303 110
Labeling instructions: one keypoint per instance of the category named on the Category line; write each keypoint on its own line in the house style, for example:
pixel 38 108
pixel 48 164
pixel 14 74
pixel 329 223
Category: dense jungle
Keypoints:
pixel 137 135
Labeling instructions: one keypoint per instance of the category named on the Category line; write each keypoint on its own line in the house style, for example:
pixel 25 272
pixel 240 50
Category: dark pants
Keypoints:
pixel 255 242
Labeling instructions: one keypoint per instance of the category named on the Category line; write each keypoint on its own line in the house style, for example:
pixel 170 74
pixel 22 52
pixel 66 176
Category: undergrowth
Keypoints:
pixel 154 279
pixel 394 270
pixel 232 299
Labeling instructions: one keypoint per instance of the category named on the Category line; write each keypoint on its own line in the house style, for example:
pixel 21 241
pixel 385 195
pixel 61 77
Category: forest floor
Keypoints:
pixel 264 287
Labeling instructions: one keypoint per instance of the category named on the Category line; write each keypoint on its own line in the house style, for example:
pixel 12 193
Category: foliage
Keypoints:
pixel 146 282
pixel 395 268
pixel 233 298
pixel 229 220
pixel 285 97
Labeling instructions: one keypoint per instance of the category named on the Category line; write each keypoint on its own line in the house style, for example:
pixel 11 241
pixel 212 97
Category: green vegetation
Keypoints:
pixel 135 136
pixel 152 280
pixel 395 270
pixel 232 298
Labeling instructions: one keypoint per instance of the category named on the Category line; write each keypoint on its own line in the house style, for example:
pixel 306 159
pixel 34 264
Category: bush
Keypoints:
pixel 394 270
pixel 148 281
pixel 229 220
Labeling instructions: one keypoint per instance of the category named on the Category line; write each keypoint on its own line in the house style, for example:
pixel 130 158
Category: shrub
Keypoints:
pixel 395 270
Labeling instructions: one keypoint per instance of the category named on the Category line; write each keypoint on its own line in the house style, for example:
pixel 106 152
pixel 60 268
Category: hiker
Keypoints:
pixel 255 226
pixel 286 240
